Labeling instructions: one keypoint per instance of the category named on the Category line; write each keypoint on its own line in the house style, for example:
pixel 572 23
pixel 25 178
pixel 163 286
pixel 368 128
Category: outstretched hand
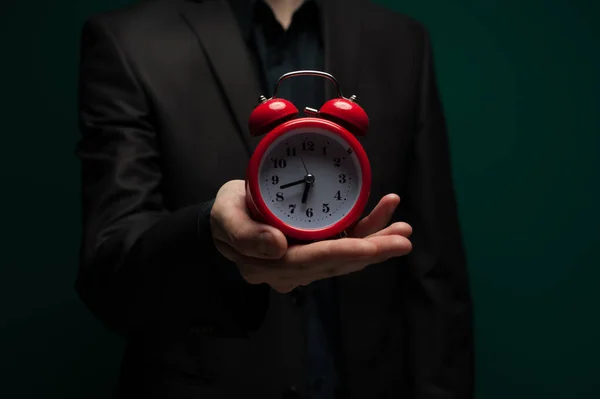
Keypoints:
pixel 262 254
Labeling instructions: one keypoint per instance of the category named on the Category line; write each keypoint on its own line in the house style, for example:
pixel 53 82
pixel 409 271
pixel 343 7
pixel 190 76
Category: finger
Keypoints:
pixel 398 228
pixel 304 263
pixel 387 247
pixel 284 288
pixel 246 236
pixel 227 250
pixel 378 218
pixel 257 271
pixel 307 263
pixel 251 275
pixel 319 254
pixel 345 268
pixel 253 270
pixel 390 246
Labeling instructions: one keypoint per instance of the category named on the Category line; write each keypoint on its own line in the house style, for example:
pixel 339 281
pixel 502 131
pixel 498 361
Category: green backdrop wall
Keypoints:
pixel 520 81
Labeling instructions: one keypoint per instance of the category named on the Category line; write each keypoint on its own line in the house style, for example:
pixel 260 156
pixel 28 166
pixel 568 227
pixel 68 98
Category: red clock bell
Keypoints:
pixel 309 176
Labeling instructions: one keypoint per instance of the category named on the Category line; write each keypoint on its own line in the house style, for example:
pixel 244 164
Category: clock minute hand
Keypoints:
pixel 294 183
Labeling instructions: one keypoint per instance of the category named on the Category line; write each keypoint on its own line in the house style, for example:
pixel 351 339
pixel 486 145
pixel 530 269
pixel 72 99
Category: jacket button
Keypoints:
pixel 290 393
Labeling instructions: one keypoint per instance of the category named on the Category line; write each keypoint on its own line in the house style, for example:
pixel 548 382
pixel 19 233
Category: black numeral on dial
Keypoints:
pixel 279 163
pixel 279 197
pixel 326 208
pixel 309 212
pixel 308 146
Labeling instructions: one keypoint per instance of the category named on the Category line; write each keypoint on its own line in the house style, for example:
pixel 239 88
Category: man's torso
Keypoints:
pixel 200 88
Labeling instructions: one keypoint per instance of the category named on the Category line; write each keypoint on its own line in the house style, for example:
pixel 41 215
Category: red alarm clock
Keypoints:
pixel 309 176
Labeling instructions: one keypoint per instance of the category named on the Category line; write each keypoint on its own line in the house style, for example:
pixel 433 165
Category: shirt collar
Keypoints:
pixel 244 11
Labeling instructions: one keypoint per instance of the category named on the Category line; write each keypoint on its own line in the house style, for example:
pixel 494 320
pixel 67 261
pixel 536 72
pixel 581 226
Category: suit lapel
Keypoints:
pixel 229 58
pixel 341 24
pixel 232 63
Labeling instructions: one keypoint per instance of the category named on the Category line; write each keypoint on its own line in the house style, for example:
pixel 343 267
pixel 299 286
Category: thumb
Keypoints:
pixel 246 236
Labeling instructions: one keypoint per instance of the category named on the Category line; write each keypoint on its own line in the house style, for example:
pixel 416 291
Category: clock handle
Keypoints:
pixel 273 111
pixel 307 73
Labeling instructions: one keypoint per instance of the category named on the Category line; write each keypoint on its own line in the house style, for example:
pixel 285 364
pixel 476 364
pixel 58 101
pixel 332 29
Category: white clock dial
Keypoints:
pixel 335 171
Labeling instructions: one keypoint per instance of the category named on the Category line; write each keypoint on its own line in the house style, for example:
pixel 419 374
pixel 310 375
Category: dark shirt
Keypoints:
pixel 277 51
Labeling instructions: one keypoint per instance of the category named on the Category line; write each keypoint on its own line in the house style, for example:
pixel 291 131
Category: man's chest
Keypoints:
pixel 203 138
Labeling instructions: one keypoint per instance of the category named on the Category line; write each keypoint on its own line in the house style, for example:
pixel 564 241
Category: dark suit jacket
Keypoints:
pixel 165 93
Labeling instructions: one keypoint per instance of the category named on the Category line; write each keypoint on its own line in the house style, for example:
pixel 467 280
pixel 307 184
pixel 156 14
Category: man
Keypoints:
pixel 215 305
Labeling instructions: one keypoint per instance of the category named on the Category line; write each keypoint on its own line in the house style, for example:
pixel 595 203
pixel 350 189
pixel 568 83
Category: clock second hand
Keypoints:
pixel 303 164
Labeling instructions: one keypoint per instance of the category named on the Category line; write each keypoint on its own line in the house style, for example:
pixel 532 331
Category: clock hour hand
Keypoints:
pixel 294 183
pixel 305 193
pixel 309 179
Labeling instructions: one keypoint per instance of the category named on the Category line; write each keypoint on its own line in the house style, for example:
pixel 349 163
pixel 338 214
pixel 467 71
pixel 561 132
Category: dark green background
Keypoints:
pixel 520 81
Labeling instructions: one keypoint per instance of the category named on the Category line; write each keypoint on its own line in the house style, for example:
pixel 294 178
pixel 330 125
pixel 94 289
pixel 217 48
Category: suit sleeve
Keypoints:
pixel 437 290
pixel 141 263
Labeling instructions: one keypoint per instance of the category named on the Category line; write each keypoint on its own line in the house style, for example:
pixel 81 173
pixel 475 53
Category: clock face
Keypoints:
pixel 314 165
